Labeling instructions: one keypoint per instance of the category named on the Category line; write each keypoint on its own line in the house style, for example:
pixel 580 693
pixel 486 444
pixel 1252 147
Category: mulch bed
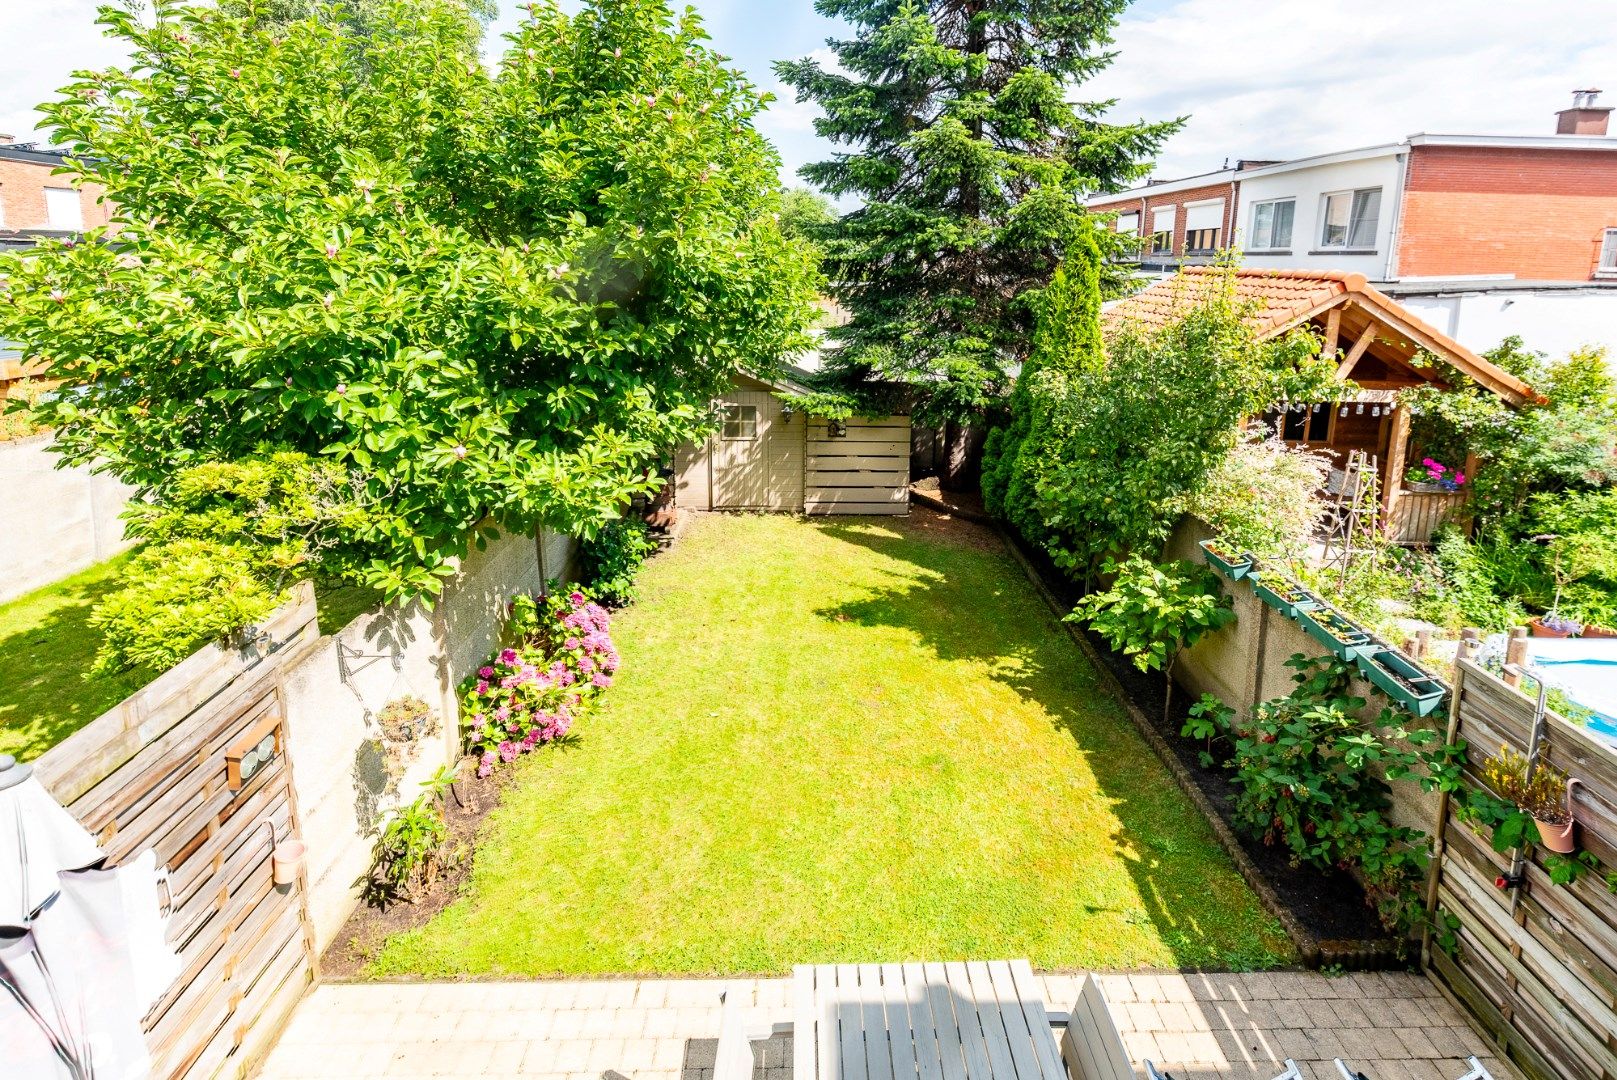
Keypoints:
pixel 362 936
pixel 1326 913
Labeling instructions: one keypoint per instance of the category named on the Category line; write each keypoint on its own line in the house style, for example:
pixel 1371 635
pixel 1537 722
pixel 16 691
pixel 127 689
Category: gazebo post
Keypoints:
pixel 1397 454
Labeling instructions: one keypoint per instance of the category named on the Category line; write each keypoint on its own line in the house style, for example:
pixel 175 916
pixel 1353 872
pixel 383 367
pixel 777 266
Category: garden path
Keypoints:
pixel 1200 1026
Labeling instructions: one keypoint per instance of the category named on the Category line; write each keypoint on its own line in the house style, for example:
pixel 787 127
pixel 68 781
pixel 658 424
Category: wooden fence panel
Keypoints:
pixel 152 773
pixel 1535 964
pixel 864 470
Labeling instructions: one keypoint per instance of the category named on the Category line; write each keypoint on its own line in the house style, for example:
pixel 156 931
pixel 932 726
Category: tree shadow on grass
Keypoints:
pixel 44 694
pixel 969 600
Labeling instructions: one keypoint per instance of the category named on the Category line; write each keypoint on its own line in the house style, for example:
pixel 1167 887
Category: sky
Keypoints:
pixel 1257 78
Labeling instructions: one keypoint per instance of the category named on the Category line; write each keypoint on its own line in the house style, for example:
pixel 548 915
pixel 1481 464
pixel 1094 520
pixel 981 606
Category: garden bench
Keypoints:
pixel 1092 1046
pixel 956 1021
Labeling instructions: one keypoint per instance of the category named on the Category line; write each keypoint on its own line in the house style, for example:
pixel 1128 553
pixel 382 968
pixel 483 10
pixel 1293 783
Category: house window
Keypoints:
pixel 1608 255
pixel 1128 224
pixel 1162 231
pixel 1271 225
pixel 1350 219
pixel 741 422
pixel 1204 221
pixel 62 209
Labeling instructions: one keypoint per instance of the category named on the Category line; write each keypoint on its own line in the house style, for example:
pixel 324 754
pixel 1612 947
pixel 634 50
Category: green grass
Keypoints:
pixel 862 740
pixel 46 646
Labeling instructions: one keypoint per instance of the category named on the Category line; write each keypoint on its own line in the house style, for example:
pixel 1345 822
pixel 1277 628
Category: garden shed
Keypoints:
pixel 767 455
pixel 1377 344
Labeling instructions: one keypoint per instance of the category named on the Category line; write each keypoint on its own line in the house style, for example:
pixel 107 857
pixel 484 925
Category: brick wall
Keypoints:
pixel 1177 200
pixel 22 196
pixel 1537 214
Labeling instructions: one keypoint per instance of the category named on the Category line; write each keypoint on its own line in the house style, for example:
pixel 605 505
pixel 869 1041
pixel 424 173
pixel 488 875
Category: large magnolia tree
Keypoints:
pixel 485 295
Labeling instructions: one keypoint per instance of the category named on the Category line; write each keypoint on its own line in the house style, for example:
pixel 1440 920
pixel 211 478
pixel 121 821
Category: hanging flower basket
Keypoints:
pixel 1401 679
pixel 1234 567
pixel 1288 597
pixel 1342 638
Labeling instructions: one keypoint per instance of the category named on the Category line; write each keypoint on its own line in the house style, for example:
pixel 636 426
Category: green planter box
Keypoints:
pixel 1288 597
pixel 1401 679
pixel 1336 633
pixel 1234 567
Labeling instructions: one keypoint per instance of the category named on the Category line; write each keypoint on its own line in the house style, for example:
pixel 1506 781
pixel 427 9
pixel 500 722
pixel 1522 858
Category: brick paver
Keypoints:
pixel 1197 1026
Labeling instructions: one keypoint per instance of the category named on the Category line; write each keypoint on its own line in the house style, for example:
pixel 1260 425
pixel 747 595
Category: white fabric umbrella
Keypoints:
pixel 37 840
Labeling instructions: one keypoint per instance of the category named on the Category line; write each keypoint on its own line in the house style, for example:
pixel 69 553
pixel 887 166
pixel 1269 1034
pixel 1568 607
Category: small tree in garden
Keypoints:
pixel 1137 437
pixel 1066 345
pixel 969 158
pixel 489 297
pixel 1152 612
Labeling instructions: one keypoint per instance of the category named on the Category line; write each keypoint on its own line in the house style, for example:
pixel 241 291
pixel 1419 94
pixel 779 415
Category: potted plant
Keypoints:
pixel 1332 630
pixel 1287 597
pixel 1555 626
pixel 1432 476
pixel 1401 679
pixel 1235 567
pixel 1544 793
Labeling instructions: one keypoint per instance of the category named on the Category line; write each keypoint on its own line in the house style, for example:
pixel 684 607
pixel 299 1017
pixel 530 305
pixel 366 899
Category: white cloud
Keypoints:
pixel 46 41
pixel 1267 80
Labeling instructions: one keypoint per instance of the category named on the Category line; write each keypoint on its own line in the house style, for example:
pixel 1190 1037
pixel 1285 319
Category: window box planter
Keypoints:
pixel 1234 567
pixel 1288 597
pixel 1401 679
pixel 1342 638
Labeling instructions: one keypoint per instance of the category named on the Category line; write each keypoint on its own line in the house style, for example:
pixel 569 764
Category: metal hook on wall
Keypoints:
pixel 346 671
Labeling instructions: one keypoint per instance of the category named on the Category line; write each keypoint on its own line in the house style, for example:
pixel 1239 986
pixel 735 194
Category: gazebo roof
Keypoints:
pixel 1350 309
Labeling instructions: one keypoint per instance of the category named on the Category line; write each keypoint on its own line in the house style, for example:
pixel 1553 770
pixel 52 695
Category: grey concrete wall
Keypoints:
pixel 53 521
pixel 333 695
pixel 1245 664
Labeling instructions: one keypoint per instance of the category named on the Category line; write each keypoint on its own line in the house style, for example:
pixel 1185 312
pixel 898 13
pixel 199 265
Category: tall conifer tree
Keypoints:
pixel 970 160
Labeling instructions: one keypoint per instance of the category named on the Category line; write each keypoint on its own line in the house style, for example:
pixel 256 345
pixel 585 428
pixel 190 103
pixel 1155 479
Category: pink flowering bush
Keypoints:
pixel 1432 471
pixel 530 694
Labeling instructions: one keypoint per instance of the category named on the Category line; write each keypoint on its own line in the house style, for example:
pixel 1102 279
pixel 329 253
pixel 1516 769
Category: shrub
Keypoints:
pixel 177 597
pixel 1455 587
pixel 529 694
pixel 612 559
pixel 414 848
pixel 1151 612
pixel 1264 497
pixel 17 417
pixel 224 540
pixel 1305 768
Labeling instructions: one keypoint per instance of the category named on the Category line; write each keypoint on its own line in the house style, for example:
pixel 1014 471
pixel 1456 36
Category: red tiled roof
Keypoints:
pixel 1284 299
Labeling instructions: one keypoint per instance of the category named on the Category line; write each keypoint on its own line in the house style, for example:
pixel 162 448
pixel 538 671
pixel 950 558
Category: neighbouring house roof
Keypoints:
pixel 1283 300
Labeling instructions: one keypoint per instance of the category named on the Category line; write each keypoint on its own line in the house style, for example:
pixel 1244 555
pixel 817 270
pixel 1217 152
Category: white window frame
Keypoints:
pixel 1353 195
pixel 738 422
pixel 1157 214
pixel 54 209
pixel 1131 229
pixel 1291 225
pixel 1606 262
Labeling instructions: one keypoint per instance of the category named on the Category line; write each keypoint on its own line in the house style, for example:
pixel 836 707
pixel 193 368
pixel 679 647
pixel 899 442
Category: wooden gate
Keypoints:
pixel 1536 964
pixel 194 766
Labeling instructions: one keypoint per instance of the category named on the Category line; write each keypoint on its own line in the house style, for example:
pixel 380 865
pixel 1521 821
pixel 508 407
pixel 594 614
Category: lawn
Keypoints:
pixel 47 645
pixel 855 740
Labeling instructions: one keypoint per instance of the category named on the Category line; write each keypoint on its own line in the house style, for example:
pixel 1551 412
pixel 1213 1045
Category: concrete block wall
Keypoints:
pixel 1244 664
pixel 333 695
pixel 56 521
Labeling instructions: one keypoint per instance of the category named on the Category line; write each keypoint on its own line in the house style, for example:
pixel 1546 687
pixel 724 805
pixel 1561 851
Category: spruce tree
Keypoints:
pixel 970 162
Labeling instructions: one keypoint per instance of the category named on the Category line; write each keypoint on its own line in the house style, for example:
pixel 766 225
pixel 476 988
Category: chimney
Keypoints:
pixel 1585 117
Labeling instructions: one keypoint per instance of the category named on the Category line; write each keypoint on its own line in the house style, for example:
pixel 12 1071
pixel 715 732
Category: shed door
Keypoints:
pixel 740 461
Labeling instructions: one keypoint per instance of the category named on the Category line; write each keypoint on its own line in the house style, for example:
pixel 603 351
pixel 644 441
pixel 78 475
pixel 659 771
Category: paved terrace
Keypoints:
pixel 1391 1026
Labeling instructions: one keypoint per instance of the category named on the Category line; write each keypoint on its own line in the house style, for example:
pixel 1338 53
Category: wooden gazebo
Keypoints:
pixel 1375 341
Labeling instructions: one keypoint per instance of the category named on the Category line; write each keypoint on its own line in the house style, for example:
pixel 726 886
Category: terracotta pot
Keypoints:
pixel 1540 630
pixel 287 861
pixel 1598 631
pixel 1557 838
